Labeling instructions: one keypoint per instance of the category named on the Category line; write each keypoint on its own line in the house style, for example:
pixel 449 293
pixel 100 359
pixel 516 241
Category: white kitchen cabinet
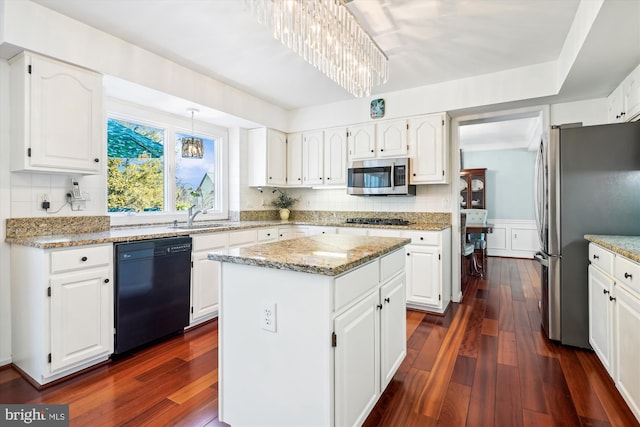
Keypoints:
pixel 615 105
pixel 391 138
pixel 393 330
pixel 238 239
pixel 335 156
pixel 342 326
pixel 362 141
pixel 294 159
pixel 614 319
pixel 429 269
pixel 601 303
pixel 267 157
pixel 315 230
pixel 623 104
pixel 57 116
pixel 312 160
pixel 204 276
pixel 631 94
pixel 429 149
pixel 62 311
pixel 627 347
pixel 292 232
pixel 357 361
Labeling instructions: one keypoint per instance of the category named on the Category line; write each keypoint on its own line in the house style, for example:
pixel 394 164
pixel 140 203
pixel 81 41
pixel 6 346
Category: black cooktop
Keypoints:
pixel 378 221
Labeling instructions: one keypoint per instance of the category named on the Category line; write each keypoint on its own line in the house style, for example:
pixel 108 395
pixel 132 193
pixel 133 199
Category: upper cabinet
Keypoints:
pixel 391 138
pixel 623 104
pixel 362 141
pixel 294 159
pixel 382 139
pixel 335 156
pixel 312 162
pixel 428 149
pixel 57 116
pixel 267 157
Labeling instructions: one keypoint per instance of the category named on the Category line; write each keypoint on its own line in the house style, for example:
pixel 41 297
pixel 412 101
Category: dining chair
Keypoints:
pixel 466 251
pixel 477 216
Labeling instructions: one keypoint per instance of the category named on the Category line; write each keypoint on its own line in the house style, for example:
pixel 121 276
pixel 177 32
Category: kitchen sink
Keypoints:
pixel 195 226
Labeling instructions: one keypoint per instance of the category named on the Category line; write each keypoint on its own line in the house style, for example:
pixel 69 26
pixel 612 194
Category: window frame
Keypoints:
pixel 172 124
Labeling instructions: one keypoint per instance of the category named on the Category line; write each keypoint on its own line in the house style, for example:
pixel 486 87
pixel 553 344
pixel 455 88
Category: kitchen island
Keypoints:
pixel 311 330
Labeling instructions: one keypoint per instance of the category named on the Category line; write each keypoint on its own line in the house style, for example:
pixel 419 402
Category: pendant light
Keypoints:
pixel 192 147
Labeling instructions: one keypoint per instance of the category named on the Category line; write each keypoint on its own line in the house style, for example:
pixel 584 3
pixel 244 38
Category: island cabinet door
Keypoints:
pixel 393 330
pixel 357 361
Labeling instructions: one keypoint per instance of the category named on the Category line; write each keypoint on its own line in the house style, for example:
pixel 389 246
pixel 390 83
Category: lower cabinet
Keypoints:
pixel 601 303
pixel 372 346
pixel 614 319
pixel 62 313
pixel 205 276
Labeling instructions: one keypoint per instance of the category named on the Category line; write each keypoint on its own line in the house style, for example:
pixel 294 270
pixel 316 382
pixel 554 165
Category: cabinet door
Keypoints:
pixel 66 117
pixel 335 156
pixel 427 144
pixel 294 159
pixel 362 142
pixel 357 361
pixel 627 347
pixel 312 161
pixel 391 138
pixel 81 313
pixel 393 330
pixel 615 105
pixel 631 93
pixel 601 316
pixel 204 286
pixel 276 158
pixel 423 275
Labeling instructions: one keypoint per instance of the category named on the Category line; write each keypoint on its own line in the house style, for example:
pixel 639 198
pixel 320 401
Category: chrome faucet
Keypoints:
pixel 192 215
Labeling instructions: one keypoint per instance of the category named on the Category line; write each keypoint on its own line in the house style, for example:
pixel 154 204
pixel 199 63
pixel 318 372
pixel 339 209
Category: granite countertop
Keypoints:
pixel 628 246
pixel 133 233
pixel 328 255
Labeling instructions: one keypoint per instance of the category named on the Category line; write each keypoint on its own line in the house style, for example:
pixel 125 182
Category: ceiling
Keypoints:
pixel 427 42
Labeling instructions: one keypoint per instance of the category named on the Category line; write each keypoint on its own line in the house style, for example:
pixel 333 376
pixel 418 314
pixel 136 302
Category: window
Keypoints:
pixel 147 179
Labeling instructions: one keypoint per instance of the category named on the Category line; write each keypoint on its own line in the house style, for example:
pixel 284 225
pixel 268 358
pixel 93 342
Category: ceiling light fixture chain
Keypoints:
pixel 329 37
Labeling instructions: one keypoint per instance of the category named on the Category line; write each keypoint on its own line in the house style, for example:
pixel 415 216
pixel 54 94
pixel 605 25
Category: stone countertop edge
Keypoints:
pixel 628 246
pixel 134 233
pixel 313 254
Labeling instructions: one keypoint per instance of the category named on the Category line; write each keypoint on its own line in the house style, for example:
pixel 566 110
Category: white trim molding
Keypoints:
pixel 512 238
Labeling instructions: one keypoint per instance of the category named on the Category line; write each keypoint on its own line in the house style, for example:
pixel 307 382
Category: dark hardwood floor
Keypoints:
pixel 486 362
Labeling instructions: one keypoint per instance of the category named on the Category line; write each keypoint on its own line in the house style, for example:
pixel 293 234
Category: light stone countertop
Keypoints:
pixel 134 233
pixel 328 255
pixel 628 246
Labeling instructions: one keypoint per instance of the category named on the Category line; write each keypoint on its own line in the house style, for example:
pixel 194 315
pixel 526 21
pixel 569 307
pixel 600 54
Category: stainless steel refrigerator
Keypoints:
pixel 587 182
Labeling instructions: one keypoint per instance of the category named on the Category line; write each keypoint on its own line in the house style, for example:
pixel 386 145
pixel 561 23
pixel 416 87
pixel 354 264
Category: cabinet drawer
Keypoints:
pixel 203 242
pixel 267 235
pixel 355 283
pixel 601 258
pixel 627 272
pixel 423 237
pixel 392 264
pixel 241 238
pixel 84 257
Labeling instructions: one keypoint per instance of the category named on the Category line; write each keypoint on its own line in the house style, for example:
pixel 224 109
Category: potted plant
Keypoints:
pixel 283 202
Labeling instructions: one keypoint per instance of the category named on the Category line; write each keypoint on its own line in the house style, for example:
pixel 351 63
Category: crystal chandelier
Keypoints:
pixel 327 35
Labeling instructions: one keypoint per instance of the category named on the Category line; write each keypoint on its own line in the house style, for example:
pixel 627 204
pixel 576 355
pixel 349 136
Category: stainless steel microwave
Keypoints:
pixel 380 177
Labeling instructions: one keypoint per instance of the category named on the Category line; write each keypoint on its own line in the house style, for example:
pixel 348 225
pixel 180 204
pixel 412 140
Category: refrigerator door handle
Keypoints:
pixel 538 199
pixel 539 256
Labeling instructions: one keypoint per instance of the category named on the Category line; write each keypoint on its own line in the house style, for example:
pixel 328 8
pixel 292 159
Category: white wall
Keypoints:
pixel 589 112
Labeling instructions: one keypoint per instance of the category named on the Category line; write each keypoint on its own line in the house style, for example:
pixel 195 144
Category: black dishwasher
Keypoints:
pixel 152 290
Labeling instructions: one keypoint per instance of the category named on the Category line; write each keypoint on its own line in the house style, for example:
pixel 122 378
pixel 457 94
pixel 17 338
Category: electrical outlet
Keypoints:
pixel 268 316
